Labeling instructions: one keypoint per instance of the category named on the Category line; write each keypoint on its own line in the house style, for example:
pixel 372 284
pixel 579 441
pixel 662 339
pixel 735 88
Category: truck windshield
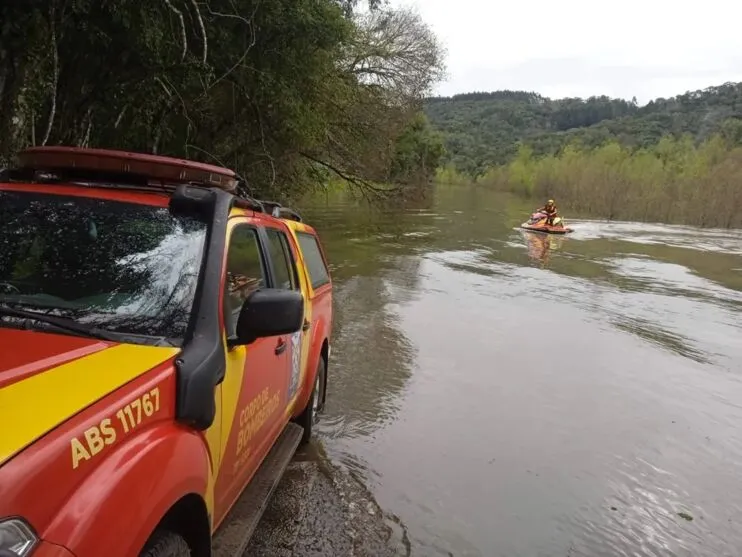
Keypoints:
pixel 120 267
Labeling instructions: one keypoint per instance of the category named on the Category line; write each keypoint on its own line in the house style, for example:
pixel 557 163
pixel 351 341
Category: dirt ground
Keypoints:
pixel 317 510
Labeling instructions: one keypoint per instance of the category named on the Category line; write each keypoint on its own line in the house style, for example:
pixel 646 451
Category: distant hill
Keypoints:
pixel 484 129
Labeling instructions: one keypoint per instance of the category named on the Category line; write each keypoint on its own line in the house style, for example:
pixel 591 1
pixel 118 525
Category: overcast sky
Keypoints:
pixel 642 48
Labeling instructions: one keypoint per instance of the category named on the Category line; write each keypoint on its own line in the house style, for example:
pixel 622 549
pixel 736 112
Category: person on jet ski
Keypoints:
pixel 550 210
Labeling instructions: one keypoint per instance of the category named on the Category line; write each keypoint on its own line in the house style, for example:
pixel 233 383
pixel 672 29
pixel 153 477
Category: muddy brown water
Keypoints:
pixel 508 394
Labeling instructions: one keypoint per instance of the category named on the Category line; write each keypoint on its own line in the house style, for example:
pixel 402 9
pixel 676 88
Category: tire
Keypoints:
pixel 166 544
pixel 308 417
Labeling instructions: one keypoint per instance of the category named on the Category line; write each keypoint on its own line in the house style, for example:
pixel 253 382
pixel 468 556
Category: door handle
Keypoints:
pixel 280 347
pixel 305 326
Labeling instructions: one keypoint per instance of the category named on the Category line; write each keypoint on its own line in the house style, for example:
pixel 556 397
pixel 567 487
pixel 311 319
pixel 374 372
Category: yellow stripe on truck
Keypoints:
pixel 32 407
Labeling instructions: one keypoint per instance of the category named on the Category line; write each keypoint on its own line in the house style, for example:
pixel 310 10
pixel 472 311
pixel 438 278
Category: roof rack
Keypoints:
pixel 279 211
pixel 139 171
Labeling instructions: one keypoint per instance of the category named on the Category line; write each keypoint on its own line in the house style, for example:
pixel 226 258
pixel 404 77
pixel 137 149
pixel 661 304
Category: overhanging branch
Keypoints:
pixel 364 185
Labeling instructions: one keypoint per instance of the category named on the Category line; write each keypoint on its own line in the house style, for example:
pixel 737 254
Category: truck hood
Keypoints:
pixel 45 379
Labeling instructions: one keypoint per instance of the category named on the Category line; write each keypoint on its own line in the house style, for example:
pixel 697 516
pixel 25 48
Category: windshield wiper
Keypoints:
pixel 61 323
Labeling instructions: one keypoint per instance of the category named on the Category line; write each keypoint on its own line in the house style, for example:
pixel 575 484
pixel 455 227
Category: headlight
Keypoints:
pixel 17 539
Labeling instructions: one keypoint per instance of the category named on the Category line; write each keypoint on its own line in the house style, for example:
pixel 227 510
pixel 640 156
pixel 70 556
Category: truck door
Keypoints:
pixel 286 276
pixel 254 383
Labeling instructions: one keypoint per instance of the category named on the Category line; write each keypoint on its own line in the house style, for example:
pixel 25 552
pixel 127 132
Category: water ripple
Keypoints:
pixel 508 394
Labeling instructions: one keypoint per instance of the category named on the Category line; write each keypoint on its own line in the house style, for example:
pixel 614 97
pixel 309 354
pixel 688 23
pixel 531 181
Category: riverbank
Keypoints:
pixel 320 510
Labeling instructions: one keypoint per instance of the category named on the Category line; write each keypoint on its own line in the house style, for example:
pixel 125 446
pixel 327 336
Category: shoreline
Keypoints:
pixel 318 509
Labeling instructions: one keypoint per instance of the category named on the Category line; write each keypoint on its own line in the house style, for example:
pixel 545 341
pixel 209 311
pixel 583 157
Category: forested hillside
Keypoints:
pixel 672 160
pixel 482 130
pixel 286 92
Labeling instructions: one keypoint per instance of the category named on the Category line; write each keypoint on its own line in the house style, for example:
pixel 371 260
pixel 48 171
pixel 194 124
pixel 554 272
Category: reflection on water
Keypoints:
pixel 506 393
pixel 541 245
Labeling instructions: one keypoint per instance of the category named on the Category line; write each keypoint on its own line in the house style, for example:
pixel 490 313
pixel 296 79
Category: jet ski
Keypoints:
pixel 537 223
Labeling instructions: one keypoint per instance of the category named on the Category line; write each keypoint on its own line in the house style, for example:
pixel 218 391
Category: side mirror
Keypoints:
pixel 269 312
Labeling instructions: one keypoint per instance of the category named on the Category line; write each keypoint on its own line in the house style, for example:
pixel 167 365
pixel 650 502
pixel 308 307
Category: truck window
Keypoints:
pixel 283 261
pixel 316 267
pixel 123 267
pixel 245 273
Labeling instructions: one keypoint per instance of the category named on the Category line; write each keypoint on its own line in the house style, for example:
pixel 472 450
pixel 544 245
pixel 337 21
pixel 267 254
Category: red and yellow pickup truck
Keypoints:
pixel 164 343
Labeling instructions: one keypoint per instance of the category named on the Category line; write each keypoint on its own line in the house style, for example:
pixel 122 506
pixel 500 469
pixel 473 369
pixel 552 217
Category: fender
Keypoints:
pixel 118 505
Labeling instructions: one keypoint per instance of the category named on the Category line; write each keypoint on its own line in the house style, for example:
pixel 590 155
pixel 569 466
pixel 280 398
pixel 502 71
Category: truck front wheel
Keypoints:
pixel 166 544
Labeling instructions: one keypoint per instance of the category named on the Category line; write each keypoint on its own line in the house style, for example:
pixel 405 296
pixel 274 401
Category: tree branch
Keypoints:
pixel 203 31
pixel 55 75
pixel 363 185
pixel 253 38
pixel 219 161
pixel 183 36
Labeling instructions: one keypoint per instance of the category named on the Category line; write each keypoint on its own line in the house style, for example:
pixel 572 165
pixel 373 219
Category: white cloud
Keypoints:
pixel 642 48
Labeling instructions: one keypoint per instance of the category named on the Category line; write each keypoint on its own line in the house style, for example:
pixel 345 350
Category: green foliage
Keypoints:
pixel 673 181
pixel 281 91
pixel 482 130
pixel 448 175
pixel 418 153
pixel 673 160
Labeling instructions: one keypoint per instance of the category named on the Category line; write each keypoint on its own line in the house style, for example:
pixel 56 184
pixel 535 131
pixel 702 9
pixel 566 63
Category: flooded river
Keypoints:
pixel 505 394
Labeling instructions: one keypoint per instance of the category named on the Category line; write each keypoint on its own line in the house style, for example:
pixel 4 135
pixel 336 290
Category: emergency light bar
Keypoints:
pixel 155 168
